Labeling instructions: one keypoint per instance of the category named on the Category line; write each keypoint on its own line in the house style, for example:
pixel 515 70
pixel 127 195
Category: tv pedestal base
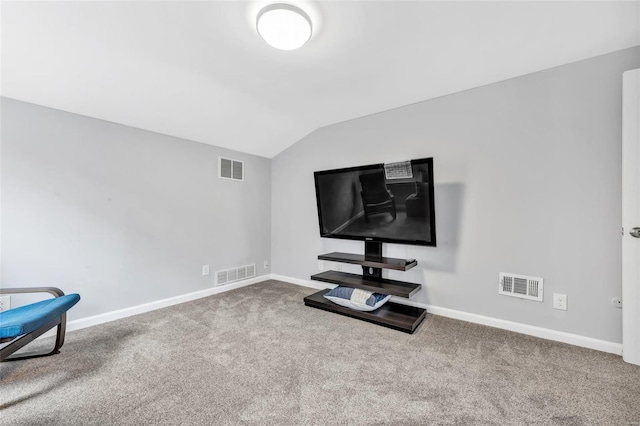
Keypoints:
pixel 393 315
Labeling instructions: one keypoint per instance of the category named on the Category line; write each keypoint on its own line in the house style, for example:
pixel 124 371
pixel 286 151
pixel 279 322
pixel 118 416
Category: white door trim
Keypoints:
pixel 630 216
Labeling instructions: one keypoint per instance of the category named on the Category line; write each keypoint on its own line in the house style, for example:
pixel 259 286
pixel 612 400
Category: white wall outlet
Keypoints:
pixel 320 265
pixel 266 264
pixel 338 266
pixel 560 301
pixel 5 303
pixel 205 270
pixel 617 302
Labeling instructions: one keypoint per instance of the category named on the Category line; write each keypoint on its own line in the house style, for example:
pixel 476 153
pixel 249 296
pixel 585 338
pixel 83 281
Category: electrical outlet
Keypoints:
pixel 320 265
pixel 339 267
pixel 205 270
pixel 5 303
pixel 560 301
pixel 266 264
pixel 617 302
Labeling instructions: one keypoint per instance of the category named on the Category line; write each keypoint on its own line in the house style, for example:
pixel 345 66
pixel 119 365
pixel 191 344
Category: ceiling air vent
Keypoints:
pixel 235 274
pixel 521 286
pixel 230 169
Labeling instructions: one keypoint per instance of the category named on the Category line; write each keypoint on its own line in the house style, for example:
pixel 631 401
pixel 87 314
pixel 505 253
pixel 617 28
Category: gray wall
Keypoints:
pixel 528 181
pixel 121 215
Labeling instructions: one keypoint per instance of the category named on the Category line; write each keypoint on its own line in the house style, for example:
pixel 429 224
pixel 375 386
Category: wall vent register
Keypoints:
pixel 401 170
pixel 230 169
pixel 521 286
pixel 235 274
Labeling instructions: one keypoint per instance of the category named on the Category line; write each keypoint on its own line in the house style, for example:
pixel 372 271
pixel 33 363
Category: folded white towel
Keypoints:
pixel 360 296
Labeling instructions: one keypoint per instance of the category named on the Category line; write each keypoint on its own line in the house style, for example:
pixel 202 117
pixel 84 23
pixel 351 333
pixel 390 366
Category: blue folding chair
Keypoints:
pixel 21 326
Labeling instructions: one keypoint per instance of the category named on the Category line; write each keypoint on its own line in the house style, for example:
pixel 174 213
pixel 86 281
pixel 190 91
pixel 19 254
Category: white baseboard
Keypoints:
pixel 158 304
pixel 303 283
pixel 544 333
pixel 531 330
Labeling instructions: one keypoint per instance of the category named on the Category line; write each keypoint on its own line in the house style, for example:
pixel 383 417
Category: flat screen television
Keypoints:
pixel 390 202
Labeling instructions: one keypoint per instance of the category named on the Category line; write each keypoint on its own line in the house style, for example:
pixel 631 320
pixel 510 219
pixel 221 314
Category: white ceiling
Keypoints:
pixel 199 71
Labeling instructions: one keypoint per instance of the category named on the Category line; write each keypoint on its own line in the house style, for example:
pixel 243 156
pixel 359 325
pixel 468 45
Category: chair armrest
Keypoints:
pixel 52 290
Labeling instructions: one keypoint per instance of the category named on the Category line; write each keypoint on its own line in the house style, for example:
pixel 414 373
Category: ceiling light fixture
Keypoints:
pixel 283 26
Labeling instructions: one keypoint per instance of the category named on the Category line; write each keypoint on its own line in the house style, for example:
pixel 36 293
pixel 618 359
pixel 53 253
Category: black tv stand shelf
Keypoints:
pixel 377 285
pixel 393 315
pixel 370 262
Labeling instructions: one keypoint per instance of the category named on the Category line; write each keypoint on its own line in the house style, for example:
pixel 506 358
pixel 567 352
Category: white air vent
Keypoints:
pixel 230 169
pixel 235 274
pixel 400 170
pixel 251 271
pixel 221 277
pixel 521 286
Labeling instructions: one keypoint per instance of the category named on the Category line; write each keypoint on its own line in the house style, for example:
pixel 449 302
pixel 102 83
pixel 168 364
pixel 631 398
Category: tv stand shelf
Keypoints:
pixel 369 261
pixel 377 285
pixel 393 315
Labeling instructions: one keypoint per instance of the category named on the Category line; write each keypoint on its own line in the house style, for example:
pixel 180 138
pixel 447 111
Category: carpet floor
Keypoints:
pixel 258 356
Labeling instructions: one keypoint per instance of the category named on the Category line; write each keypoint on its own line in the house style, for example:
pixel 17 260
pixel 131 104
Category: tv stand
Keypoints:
pixel 373 253
pixel 393 315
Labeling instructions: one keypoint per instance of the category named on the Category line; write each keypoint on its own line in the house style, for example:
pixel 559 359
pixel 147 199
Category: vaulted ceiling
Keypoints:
pixel 198 70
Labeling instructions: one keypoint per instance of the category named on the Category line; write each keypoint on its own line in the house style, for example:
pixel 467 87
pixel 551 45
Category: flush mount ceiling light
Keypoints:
pixel 283 26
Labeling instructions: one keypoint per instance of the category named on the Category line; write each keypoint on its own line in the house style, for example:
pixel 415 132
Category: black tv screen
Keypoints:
pixel 391 202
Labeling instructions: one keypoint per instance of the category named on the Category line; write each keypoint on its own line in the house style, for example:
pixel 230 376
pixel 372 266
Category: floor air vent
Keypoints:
pixel 235 274
pixel 521 286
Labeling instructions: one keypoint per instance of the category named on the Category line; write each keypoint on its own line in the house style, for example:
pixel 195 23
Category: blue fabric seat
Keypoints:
pixel 21 326
pixel 25 319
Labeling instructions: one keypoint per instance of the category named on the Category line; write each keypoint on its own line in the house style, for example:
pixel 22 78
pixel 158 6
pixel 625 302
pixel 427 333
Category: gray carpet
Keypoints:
pixel 257 356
